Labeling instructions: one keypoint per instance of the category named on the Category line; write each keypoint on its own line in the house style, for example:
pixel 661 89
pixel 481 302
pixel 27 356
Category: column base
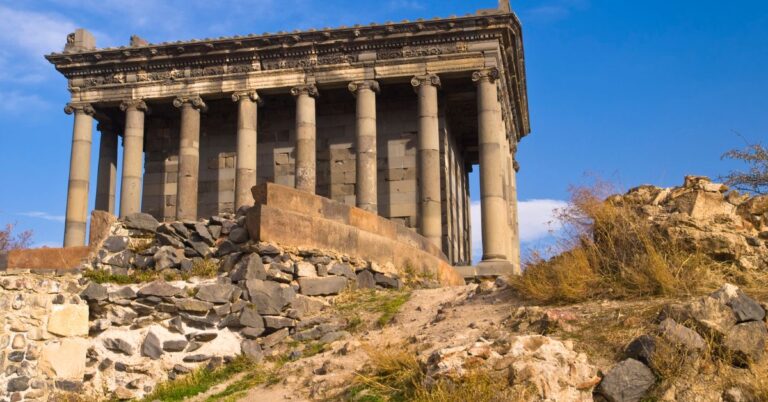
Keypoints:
pixel 494 268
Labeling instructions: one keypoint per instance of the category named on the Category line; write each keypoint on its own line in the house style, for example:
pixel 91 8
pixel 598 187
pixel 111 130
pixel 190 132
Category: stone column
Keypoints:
pixel 515 256
pixel 493 207
pixel 189 156
pixel 133 156
pixel 430 216
pixel 306 137
pixel 245 174
pixel 366 179
pixel 106 179
pixel 79 174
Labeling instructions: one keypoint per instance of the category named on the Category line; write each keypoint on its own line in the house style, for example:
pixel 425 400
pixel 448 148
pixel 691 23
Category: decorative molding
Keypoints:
pixel 427 79
pixel 306 89
pixel 490 74
pixel 372 85
pixel 195 101
pixel 135 104
pixel 252 95
pixel 310 60
pixel 409 51
pixel 79 108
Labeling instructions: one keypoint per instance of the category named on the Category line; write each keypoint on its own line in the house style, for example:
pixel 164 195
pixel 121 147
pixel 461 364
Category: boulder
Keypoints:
pixel 101 223
pixel 628 381
pixel 642 349
pixel 746 341
pixel 166 257
pixel 193 306
pixel 115 244
pixel 745 308
pixel 304 306
pixel 123 259
pixel 329 285
pixel 249 267
pixel 250 318
pixel 269 297
pixel 227 247
pixel 305 270
pixel 365 280
pixel 342 269
pixel 238 235
pixel 94 292
pixel 204 234
pixel 252 350
pixel 217 293
pixel 141 221
pixel 68 320
pixel 169 240
pixel 681 336
pixel 706 313
pixel 159 288
pixel 387 281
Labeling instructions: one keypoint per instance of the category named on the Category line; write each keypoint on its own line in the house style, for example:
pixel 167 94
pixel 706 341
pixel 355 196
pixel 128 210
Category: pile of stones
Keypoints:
pixel 707 216
pixel 727 323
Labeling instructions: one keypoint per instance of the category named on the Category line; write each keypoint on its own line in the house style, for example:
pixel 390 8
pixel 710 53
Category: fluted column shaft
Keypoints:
pixel 306 137
pixel 430 213
pixel 133 157
pixel 515 256
pixel 246 161
pixel 79 175
pixel 189 157
pixel 493 205
pixel 106 180
pixel 366 179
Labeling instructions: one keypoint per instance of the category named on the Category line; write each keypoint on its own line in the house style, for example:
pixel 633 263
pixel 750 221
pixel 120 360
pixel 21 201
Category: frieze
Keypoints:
pixel 420 51
pixel 308 61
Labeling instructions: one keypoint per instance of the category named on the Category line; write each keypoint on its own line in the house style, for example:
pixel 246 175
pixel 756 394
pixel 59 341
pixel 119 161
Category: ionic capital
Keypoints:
pixel 372 85
pixel 79 108
pixel 134 104
pixel 307 89
pixel 195 101
pixel 486 74
pixel 252 95
pixel 427 79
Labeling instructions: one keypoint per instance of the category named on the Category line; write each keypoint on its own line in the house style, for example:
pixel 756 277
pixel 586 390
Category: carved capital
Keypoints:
pixel 80 108
pixel 307 89
pixel 135 104
pixel 252 95
pixel 428 79
pixel 489 74
pixel 195 101
pixel 372 85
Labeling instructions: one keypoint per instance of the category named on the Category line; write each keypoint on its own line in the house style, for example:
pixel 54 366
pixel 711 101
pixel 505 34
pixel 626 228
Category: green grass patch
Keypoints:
pixel 359 305
pixel 201 380
pixel 102 276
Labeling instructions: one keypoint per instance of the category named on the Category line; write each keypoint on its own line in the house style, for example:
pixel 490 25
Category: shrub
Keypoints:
pixel 755 179
pixel 10 241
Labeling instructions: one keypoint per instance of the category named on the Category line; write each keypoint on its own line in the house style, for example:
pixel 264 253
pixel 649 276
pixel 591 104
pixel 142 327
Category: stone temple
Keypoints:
pixel 390 118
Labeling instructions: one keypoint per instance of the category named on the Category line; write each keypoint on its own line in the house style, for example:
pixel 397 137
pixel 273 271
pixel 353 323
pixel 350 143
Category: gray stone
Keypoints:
pixel 200 249
pixel 94 293
pixel 196 358
pixel 144 262
pixel 278 275
pixel 204 234
pixel 278 322
pixel 124 293
pixel 266 249
pixel 203 336
pixel 118 345
pixel 304 269
pixel 342 269
pixel 227 247
pixel 181 230
pixel 680 335
pixel 152 346
pixel 746 341
pixel 628 381
pixel 306 306
pixel 200 321
pixel 251 333
pixel 269 297
pixel 708 314
pixel 387 281
pixel 238 235
pixel 217 293
pixel 175 345
pixel 69 386
pixel 159 288
pixel 252 350
pixel 250 318
pixel 165 258
pixel 169 240
pixel 175 325
pixel 141 221
pixel 115 244
pixel 250 267
pixel 330 285
pixel 274 338
pixel 18 384
pixel 745 308
pixel 123 259
pixel 193 306
pixel 334 336
pixel 642 349
pixel 365 280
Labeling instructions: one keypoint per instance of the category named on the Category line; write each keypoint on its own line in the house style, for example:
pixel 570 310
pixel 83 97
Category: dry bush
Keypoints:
pixel 612 251
pixel 755 178
pixel 10 241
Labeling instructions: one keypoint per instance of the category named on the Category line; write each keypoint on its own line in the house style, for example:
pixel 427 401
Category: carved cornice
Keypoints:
pixel 488 74
pixel 428 79
pixel 252 95
pixel 306 89
pixel 195 101
pixel 134 104
pixel 79 108
pixel 365 84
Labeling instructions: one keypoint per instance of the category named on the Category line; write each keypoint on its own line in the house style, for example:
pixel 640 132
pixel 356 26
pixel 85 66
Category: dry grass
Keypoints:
pixel 362 308
pixel 611 251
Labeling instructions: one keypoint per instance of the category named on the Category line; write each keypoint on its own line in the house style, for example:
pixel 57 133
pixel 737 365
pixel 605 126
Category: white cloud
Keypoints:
pixel 536 217
pixel 43 215
pixel 16 102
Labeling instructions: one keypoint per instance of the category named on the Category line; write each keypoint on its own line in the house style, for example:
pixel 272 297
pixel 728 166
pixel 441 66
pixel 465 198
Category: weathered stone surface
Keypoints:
pixel 193 306
pixel 204 234
pixel 101 221
pixel 169 240
pixel 330 285
pixel 115 244
pixel 745 308
pixel 305 270
pixel 238 235
pixel 387 281
pixel 274 338
pixel 18 384
pixel 747 341
pixel 707 313
pixel 342 269
pixel 94 293
pixel 304 306
pixel 68 320
pixel 159 288
pixel 152 346
pixel 278 322
pixel 141 221
pixel 124 293
pixel 216 293
pixel 365 280
pixel 250 267
pixel 628 381
pixel 123 259
pixel 680 335
pixel 249 317
pixel 166 257
pixel 252 349
pixel 65 359
pixel 227 247
pixel 642 349
pixel 119 345
pixel 269 297
pixel 175 345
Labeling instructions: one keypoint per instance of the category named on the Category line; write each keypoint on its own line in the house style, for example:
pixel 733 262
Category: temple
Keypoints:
pixel 390 118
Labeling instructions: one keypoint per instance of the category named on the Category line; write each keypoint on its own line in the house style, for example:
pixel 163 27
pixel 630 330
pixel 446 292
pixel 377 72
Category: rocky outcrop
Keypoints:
pixel 707 217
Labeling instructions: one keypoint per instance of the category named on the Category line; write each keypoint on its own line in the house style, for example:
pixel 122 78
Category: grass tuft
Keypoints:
pixel 357 306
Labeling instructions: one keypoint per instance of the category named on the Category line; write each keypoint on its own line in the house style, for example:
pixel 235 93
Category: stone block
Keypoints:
pixel 68 320
pixel 64 360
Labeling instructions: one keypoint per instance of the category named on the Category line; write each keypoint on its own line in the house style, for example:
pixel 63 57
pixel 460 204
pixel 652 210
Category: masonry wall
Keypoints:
pixel 397 159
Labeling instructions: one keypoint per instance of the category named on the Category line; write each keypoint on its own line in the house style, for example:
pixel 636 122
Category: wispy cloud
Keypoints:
pixel 42 215
pixel 536 217
pixel 16 102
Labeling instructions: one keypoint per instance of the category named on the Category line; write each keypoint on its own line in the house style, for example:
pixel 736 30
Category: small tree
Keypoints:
pixel 755 178
pixel 10 241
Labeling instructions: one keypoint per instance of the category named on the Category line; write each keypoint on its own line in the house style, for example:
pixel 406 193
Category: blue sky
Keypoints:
pixel 633 91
